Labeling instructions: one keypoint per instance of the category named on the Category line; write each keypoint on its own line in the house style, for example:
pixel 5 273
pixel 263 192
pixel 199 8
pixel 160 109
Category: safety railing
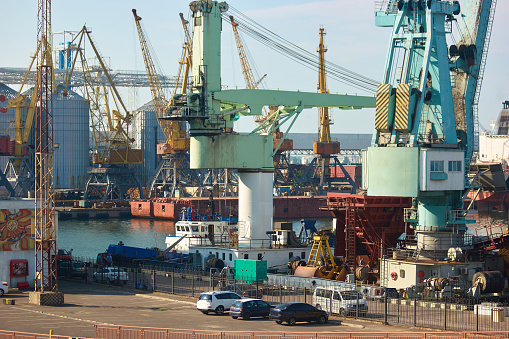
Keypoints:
pixel 120 332
pixel 26 335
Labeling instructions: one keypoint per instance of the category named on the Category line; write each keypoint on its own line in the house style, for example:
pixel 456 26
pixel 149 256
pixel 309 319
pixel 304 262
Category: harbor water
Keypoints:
pixel 88 237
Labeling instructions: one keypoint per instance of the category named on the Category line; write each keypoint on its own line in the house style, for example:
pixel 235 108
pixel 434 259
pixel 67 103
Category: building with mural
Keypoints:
pixel 17 242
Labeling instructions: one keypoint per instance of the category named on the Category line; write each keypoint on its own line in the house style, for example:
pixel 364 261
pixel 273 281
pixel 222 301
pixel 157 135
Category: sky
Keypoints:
pixel 353 42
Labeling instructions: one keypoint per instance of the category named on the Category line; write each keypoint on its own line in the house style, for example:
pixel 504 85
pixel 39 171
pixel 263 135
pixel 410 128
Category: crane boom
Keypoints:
pixel 155 86
pixel 176 141
pixel 109 127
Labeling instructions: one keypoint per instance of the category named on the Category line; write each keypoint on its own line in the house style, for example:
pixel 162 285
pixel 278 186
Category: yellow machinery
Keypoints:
pixel 321 263
pixel 112 178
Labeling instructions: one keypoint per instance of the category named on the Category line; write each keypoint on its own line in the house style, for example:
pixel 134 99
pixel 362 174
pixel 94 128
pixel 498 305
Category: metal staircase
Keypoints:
pixel 350 233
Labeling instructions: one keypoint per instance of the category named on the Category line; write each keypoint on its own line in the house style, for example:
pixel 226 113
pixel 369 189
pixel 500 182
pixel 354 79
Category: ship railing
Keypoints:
pixel 386 6
pixel 490 232
pixel 226 241
pixel 461 216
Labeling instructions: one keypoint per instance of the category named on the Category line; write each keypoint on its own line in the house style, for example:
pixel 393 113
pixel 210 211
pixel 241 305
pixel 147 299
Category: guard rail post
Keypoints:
pixel 173 281
pixel 415 311
pixel 192 284
pixel 280 294
pixel 357 308
pixel 445 314
pixel 385 307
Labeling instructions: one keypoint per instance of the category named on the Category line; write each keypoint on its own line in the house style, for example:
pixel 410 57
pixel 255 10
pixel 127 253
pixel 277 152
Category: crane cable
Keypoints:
pixel 298 54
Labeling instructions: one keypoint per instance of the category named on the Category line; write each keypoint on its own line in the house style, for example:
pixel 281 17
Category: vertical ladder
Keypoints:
pixel 350 233
pixel 417 252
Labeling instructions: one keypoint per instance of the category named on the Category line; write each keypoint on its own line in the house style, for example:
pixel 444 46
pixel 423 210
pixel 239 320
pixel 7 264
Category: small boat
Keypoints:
pixel 194 229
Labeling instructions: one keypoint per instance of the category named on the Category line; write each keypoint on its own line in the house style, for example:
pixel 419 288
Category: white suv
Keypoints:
pixel 216 301
pixel 4 288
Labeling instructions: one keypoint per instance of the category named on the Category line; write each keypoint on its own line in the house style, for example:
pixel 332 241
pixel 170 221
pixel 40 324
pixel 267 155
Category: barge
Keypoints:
pixel 285 207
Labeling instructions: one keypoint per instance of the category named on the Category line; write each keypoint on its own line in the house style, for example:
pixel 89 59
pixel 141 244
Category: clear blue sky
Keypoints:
pixel 353 42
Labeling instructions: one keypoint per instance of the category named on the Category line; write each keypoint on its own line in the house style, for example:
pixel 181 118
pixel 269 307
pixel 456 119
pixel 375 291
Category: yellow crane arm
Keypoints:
pixel 155 86
pixel 248 74
pixel 175 138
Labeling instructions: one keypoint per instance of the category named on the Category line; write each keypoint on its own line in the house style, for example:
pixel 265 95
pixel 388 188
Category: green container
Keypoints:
pixel 250 270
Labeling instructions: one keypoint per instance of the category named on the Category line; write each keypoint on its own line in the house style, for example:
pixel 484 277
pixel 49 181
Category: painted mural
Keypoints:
pixel 16 230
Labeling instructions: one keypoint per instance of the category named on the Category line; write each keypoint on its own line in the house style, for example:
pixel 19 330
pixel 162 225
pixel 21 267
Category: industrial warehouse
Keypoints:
pixel 405 225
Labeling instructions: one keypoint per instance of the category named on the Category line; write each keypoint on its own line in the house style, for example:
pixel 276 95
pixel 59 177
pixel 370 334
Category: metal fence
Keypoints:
pixel 25 335
pixel 445 314
pixel 121 332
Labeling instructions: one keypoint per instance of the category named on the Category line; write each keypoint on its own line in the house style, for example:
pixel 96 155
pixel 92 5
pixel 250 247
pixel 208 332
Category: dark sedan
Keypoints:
pixel 293 312
pixel 247 308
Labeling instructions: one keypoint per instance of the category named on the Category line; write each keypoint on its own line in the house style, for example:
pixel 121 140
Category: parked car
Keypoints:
pixel 63 254
pixel 294 312
pixel 247 308
pixel 216 301
pixel 111 274
pixel 245 290
pixel 4 288
pixel 71 269
pixel 378 293
pixel 339 302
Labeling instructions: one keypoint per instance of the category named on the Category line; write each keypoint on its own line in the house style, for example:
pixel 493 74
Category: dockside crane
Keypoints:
pixel 170 173
pixel 318 172
pixel 211 111
pixel 111 178
pixel 425 130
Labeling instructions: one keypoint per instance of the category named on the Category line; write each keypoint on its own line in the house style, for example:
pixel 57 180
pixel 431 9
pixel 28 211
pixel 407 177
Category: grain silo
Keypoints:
pixel 71 139
pixel 147 134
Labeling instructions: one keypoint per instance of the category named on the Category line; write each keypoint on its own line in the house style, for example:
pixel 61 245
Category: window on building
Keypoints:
pixel 246 256
pixel 290 255
pixel 224 256
pixel 454 166
pixel 437 166
pixel 303 255
pixel 231 257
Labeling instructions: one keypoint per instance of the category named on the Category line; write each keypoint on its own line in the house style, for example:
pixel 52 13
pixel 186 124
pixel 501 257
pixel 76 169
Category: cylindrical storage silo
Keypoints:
pixel 147 134
pixel 255 208
pixel 71 140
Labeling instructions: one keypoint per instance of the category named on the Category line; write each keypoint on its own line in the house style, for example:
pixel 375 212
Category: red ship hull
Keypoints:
pixel 285 207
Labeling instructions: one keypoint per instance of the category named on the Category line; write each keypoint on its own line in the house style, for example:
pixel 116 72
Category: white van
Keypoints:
pixel 342 302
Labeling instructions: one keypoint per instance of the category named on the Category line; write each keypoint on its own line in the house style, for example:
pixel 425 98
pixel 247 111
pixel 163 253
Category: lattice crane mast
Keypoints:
pixel 45 228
